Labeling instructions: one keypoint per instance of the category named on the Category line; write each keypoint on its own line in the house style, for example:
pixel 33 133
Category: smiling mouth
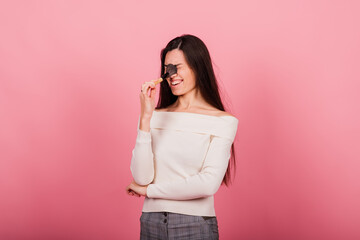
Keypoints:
pixel 175 82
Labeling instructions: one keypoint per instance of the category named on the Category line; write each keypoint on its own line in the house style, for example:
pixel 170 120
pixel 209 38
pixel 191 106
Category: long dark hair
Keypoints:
pixel 198 58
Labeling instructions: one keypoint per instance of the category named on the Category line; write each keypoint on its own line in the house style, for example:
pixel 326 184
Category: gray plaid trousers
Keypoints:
pixel 166 225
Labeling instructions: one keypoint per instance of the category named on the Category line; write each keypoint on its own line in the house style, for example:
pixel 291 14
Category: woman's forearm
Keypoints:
pixel 144 124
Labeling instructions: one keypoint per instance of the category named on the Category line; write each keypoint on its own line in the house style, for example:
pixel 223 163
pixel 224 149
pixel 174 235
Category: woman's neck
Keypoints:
pixel 189 101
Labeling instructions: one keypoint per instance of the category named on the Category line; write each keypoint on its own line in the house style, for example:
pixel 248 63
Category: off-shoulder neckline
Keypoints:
pixel 198 114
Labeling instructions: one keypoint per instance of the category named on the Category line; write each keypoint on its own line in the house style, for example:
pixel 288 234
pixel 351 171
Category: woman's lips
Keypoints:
pixel 176 82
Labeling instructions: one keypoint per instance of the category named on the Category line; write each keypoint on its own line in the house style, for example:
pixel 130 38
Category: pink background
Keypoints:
pixel 70 76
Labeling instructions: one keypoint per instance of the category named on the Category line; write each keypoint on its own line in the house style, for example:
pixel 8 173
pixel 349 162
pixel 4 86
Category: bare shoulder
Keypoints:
pixel 220 113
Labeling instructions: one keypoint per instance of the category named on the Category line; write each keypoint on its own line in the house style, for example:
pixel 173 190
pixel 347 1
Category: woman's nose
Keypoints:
pixel 173 75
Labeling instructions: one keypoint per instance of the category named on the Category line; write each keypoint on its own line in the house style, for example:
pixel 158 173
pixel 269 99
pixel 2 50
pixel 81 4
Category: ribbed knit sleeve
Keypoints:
pixel 142 161
pixel 203 184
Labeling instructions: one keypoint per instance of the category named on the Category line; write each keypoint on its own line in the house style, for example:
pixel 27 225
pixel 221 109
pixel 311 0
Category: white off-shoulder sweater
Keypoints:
pixel 183 158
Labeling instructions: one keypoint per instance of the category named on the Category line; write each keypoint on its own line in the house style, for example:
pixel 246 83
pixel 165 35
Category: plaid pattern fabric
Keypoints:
pixel 165 225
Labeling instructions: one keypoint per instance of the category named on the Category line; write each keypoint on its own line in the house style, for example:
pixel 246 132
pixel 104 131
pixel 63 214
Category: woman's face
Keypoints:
pixel 184 80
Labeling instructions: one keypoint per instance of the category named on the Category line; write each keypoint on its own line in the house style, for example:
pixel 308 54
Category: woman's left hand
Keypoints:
pixel 135 189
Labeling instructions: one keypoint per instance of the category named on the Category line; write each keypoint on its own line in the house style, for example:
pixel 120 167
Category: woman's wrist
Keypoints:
pixel 144 124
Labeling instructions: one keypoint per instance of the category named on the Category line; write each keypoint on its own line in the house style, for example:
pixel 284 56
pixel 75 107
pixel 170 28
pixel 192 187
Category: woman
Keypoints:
pixel 183 147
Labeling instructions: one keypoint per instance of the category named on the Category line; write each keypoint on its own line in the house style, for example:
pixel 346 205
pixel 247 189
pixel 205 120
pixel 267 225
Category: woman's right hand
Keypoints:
pixel 147 102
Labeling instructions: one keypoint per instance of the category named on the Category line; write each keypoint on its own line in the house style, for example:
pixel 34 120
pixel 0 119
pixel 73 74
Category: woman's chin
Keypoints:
pixel 177 93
